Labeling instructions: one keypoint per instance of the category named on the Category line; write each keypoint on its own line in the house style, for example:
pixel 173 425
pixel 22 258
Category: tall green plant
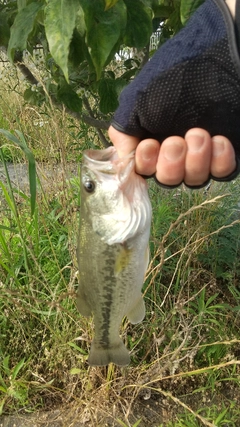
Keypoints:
pixel 16 226
pixel 80 40
pixel 20 142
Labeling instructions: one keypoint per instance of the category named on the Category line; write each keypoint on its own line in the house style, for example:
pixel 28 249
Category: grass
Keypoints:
pixel 186 352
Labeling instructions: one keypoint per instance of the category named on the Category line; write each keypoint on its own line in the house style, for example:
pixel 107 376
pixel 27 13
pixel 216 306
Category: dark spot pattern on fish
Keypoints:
pixel 107 296
pixel 105 331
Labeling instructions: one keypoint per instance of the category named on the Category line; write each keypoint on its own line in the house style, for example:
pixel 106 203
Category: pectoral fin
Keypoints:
pixel 137 313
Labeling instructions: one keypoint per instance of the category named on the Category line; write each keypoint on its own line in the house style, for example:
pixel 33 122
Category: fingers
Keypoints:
pixel 147 153
pixel 185 159
pixel 166 161
pixel 171 161
pixel 191 159
pixel 223 157
pixel 206 155
pixel 123 143
pixel 198 157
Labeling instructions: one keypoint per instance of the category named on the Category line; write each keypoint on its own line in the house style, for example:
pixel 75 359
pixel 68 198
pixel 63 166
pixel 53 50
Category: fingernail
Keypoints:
pixel 149 152
pixel 172 151
pixel 195 142
pixel 218 146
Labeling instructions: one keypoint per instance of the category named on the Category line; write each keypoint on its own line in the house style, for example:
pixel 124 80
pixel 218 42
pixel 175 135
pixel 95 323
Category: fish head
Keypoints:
pixel 101 178
pixel 114 199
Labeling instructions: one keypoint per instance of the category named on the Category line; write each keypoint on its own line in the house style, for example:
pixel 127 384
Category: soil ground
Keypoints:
pixel 48 174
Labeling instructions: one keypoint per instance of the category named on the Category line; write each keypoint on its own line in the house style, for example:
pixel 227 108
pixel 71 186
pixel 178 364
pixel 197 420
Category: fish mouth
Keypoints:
pixel 101 156
pixel 108 162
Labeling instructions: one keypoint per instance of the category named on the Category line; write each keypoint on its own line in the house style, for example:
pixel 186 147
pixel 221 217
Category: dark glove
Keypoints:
pixel 193 80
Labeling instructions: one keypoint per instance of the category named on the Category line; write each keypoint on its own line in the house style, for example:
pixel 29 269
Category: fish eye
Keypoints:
pixel 89 186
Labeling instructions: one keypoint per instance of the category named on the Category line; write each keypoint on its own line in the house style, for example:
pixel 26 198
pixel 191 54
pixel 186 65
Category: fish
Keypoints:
pixel 112 250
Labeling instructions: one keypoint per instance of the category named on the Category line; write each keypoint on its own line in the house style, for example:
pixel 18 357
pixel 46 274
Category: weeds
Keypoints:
pixel 185 354
pixel 14 389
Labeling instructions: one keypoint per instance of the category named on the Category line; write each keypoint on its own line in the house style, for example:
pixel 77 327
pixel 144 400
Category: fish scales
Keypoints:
pixel 112 250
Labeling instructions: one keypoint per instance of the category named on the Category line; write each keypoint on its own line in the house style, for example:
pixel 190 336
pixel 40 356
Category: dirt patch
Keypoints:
pixel 38 419
pixel 49 175
pixel 150 406
pixel 151 413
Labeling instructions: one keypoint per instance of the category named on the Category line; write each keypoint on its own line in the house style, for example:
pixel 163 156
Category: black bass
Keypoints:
pixel 115 219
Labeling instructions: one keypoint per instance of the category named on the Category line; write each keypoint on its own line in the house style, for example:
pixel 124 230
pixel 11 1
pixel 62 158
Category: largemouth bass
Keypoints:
pixel 115 218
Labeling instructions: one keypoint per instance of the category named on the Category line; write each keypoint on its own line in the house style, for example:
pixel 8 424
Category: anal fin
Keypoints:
pixel 137 312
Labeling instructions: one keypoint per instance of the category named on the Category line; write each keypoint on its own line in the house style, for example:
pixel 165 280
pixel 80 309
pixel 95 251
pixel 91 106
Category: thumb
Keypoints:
pixel 123 143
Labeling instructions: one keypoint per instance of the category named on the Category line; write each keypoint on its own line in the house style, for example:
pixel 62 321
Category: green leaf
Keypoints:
pixel 31 169
pixel 17 368
pixel 6 365
pixel 120 84
pixel 78 51
pixel 187 8
pixel 162 11
pixel 30 96
pixel 104 30
pixel 7 197
pixel 110 3
pixel 108 95
pixel 139 24
pixel 21 4
pixel 22 27
pixel 80 22
pixel 76 347
pixel 2 403
pixel 21 142
pixel 129 74
pixel 4 29
pixel 4 227
pixel 68 97
pixel 174 23
pixel 2 382
pixel 59 25
pixel 75 371
pixel 221 416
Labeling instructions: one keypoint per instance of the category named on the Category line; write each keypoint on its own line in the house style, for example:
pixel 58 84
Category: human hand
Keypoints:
pixel 190 159
pixel 191 82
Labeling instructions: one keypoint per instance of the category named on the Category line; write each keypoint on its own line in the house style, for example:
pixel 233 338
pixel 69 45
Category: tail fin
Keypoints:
pixel 117 353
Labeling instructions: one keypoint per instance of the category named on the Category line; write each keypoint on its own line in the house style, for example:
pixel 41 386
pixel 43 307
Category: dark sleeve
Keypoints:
pixel 193 80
